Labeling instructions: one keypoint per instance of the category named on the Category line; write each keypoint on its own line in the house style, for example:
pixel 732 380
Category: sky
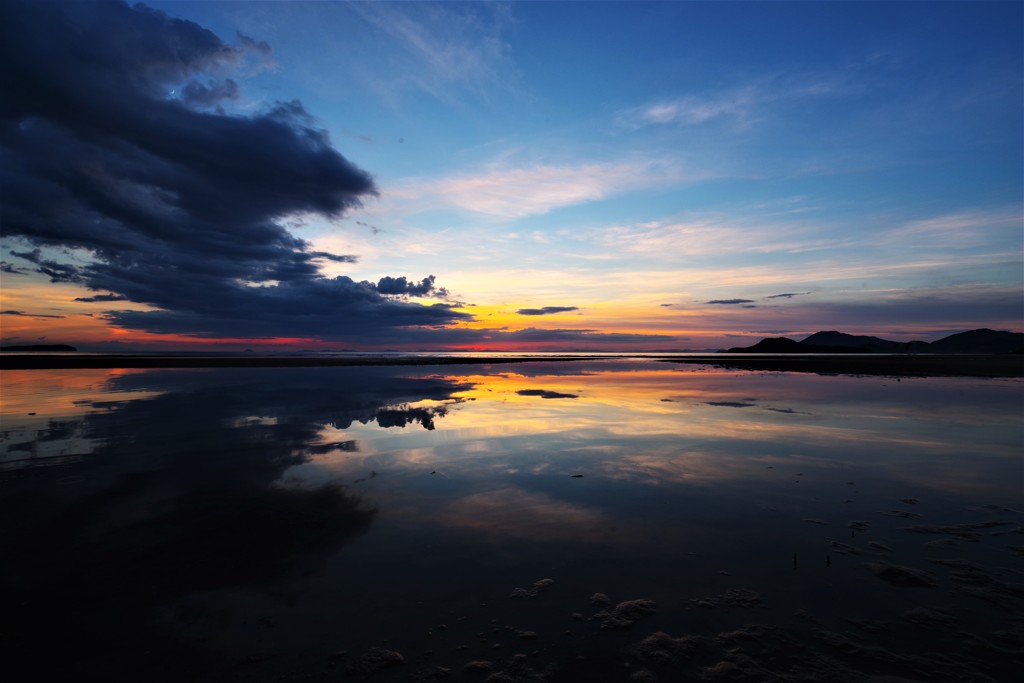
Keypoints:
pixel 536 176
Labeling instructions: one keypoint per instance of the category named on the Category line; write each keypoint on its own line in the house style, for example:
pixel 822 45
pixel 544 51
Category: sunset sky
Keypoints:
pixel 507 176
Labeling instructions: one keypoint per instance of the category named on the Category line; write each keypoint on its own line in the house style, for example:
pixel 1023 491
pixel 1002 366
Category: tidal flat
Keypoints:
pixel 593 520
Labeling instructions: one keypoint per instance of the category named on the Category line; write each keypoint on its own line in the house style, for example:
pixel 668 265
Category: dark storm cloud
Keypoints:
pixel 55 270
pixel 730 302
pixel 209 94
pixel 112 144
pixel 546 310
pixel 337 258
pixel 100 298
pixel 786 295
pixel 402 287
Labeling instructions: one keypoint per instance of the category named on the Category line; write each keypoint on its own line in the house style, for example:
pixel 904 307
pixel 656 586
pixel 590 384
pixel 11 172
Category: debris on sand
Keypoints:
pixel 961 532
pixel 845 549
pixel 937 619
pixel 977 584
pixel 478 666
pixel 734 597
pixel 537 588
pixel 661 649
pixel 626 613
pixel 373 660
pixel 958 563
pixel 906 514
pixel 517 671
pixel 747 632
pixel 898 575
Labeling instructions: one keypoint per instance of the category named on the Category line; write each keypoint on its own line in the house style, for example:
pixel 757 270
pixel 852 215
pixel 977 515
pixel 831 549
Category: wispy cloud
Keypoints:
pixel 510 192
pixel 718 236
pixel 976 227
pixel 444 49
pixel 740 104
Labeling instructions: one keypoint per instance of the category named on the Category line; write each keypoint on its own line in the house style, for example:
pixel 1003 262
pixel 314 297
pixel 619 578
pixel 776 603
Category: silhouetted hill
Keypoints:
pixel 979 341
pixel 787 345
pixel 871 344
pixel 45 348
pixel 974 341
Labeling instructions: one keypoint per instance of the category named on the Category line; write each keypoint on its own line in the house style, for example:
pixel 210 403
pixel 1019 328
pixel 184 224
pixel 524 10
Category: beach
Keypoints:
pixel 597 520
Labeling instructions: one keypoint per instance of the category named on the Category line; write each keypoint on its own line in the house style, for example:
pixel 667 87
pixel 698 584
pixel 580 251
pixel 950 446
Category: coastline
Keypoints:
pixel 945 365
pixel 923 365
pixel 102 361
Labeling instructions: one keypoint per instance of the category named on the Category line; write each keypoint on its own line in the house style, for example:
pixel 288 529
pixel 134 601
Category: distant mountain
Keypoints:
pixel 52 348
pixel 975 341
pixel 787 345
pixel 872 344
pixel 979 341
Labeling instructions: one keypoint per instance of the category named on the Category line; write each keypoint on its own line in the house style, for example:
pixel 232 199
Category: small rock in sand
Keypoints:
pixel 662 649
pixel 627 613
pixel 600 599
pixel 898 575
pixel 373 660
pixel 537 588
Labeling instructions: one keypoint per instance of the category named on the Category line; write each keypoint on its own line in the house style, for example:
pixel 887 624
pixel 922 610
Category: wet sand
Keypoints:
pixel 963 365
pixel 166 534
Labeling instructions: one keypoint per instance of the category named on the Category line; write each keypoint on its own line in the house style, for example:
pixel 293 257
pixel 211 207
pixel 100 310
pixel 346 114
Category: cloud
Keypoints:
pixel 128 158
pixel 29 315
pixel 786 295
pixel 6 267
pixel 961 229
pixel 101 298
pixel 56 271
pixel 444 51
pixel 546 310
pixel 402 287
pixel 516 192
pixel 740 104
pixel 583 338
pixel 730 302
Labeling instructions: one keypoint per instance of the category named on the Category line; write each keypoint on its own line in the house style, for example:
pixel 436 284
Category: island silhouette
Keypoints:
pixel 981 341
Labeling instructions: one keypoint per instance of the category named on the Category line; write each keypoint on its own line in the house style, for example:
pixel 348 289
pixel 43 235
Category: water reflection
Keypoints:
pixel 217 518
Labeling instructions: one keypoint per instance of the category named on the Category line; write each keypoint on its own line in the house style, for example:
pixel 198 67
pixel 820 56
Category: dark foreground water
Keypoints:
pixel 590 521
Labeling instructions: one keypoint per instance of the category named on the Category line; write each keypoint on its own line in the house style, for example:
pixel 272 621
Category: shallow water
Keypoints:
pixel 268 523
